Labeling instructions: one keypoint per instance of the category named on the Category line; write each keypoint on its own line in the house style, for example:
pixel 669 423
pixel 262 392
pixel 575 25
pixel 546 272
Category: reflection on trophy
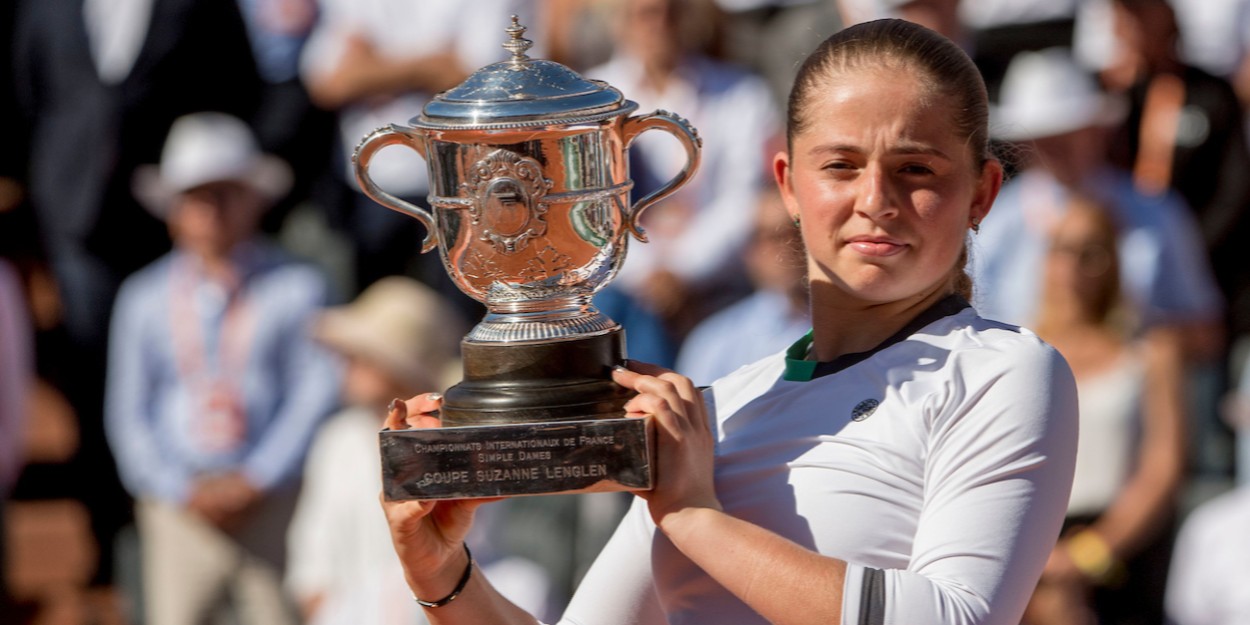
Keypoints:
pixel 530 213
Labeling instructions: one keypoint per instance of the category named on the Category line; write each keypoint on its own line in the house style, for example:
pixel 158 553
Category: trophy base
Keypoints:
pixel 504 460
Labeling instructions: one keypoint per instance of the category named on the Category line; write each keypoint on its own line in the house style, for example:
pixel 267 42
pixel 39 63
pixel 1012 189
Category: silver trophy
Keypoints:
pixel 530 212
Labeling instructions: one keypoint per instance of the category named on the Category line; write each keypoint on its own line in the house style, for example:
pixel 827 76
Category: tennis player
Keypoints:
pixel 905 462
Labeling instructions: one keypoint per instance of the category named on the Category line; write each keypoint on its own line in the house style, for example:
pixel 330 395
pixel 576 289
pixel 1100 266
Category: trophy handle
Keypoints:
pixel 374 141
pixel 689 138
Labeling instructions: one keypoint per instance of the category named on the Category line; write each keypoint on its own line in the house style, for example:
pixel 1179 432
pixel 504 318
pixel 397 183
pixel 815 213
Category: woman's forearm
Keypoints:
pixel 781 580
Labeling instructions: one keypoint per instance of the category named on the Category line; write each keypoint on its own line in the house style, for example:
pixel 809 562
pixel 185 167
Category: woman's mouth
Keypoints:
pixel 876 246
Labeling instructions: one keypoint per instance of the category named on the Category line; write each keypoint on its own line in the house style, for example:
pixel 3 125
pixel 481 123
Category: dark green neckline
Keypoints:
pixel 799 369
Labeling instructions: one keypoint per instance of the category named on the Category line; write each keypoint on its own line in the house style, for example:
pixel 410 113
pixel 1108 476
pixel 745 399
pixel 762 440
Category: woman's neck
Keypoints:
pixel 842 325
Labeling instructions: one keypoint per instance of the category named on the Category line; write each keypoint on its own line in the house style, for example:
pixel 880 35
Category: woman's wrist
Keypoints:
pixel 688 518
pixel 455 592
pixel 439 582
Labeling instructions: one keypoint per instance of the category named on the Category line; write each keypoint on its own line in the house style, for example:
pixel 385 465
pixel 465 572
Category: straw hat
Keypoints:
pixel 1046 94
pixel 208 147
pixel 401 325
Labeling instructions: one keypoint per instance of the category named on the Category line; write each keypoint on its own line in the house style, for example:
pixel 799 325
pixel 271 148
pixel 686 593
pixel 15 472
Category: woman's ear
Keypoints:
pixel 990 182
pixel 782 171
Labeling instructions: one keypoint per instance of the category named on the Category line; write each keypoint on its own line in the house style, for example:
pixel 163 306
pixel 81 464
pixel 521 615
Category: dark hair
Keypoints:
pixel 900 45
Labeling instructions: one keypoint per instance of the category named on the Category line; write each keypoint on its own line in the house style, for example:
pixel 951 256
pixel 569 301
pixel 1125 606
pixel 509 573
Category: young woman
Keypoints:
pixel 1112 560
pixel 905 462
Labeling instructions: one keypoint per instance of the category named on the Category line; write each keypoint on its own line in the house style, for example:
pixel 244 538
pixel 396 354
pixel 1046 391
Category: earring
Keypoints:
pixel 796 221
pixel 976 226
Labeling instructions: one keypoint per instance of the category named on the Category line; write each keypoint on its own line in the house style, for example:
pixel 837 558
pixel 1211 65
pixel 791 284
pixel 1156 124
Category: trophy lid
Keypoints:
pixel 522 92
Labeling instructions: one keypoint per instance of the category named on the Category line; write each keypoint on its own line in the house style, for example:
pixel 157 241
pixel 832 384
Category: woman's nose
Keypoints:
pixel 877 196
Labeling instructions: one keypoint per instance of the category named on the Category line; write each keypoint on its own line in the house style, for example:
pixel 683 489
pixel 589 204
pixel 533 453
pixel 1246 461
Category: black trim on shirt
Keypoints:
pixel 950 305
pixel 872 598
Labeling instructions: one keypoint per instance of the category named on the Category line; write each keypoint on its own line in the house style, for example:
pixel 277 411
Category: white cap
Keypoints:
pixel 208 147
pixel 1045 94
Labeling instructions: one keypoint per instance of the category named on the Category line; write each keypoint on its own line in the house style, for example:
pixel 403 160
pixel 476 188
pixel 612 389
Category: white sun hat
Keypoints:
pixel 401 325
pixel 208 147
pixel 1045 94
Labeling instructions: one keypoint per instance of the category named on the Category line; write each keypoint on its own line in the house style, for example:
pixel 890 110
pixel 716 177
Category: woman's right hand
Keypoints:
pixel 428 535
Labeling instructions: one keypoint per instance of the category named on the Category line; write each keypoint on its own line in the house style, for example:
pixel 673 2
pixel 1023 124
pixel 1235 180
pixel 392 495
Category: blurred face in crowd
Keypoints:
pixel 1146 28
pixel 212 219
pixel 1081 266
pixel 649 29
pixel 938 15
pixel 1073 156
pixel 885 184
pixel 366 383
pixel 774 257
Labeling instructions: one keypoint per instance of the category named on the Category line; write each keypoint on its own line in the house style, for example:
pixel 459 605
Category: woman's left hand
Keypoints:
pixel 684 474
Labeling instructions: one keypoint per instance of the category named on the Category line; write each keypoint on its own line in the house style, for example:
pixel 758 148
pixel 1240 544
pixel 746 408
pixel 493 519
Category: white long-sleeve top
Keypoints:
pixel 945 498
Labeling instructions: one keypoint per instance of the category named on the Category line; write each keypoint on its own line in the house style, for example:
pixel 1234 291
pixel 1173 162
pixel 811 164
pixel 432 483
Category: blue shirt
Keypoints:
pixel 285 383
pixel 1163 267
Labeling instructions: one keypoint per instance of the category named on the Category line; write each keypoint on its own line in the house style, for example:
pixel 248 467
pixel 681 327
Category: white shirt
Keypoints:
pixel 404 29
pixel 945 500
pixel 698 231
pixel 1111 426
pixel 1209 582
pixel 116 30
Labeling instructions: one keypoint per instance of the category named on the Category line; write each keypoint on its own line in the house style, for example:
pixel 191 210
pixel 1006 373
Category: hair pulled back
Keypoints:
pixel 898 46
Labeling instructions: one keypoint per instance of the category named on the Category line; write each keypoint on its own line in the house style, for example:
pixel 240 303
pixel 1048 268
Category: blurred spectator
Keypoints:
pixel 1051 103
pixel 1215 35
pixel 214 387
pixel 1209 577
pixel 777 312
pixel 16 372
pixel 1110 563
pixel 577 33
pixel 646 338
pixel 399 338
pixel 287 123
pixel 1003 29
pixel 376 63
pixel 941 16
pixel 1185 131
pixel 690 264
pixel 786 40
pixel 98 84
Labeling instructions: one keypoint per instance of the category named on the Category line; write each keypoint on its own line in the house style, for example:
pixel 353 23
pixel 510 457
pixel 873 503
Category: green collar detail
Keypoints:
pixel 798 367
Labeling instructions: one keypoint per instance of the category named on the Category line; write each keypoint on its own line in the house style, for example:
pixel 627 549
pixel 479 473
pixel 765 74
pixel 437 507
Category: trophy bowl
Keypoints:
pixel 530 212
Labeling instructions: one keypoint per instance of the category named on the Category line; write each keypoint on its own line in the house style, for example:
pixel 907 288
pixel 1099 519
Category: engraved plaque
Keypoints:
pixel 517 459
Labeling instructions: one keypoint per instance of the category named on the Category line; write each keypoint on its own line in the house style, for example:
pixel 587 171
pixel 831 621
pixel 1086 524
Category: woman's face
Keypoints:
pixel 1079 262
pixel 885 186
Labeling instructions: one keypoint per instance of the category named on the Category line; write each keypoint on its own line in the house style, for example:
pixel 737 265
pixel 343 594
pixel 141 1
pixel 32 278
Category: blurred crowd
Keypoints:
pixel 203 318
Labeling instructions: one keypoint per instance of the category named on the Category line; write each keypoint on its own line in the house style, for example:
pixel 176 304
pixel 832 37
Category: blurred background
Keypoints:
pixel 1122 237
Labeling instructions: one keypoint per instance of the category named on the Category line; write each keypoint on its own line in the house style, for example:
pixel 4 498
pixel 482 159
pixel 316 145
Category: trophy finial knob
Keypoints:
pixel 517 45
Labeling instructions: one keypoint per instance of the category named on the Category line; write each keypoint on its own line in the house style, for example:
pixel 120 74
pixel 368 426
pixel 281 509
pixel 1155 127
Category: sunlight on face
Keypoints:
pixel 885 186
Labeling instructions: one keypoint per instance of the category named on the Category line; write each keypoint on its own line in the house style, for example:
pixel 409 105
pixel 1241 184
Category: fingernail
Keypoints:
pixel 619 368
pixel 434 396
pixel 398 404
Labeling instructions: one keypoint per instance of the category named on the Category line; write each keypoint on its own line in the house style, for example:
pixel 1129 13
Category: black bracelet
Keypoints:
pixel 464 581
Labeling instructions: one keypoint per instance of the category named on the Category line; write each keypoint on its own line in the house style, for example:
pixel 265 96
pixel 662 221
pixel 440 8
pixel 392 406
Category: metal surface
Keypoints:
pixel 530 203
pixel 518 459
pixel 521 92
